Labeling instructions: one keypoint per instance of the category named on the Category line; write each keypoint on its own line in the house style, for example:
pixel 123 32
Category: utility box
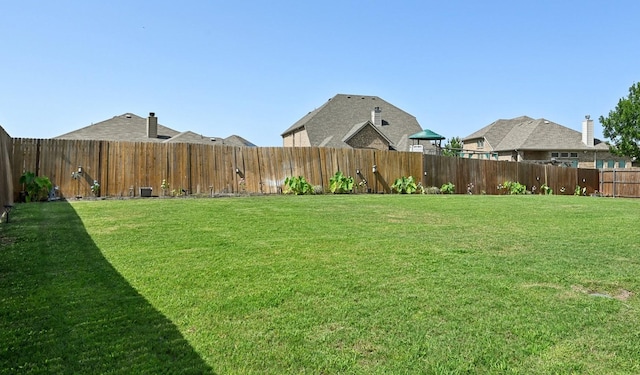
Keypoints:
pixel 145 191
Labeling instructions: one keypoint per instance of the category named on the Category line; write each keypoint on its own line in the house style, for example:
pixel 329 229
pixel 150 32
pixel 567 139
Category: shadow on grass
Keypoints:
pixel 65 309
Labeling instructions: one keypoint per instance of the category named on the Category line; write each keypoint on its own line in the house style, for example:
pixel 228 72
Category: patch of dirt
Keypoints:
pixel 623 295
pixel 620 294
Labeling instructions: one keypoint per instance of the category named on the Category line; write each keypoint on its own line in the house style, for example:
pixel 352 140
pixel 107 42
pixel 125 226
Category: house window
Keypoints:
pixel 574 154
pixel 480 143
pixel 555 154
pixel 599 164
pixel 611 163
pixel 622 164
pixel 564 154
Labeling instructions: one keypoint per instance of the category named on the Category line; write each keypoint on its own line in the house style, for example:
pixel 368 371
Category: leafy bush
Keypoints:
pixel 297 185
pixel 341 184
pixel 404 185
pixel 546 190
pixel 36 187
pixel 448 188
pixel 514 188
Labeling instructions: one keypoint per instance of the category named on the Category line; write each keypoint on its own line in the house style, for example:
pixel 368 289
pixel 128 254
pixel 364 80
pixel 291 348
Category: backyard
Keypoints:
pixel 353 284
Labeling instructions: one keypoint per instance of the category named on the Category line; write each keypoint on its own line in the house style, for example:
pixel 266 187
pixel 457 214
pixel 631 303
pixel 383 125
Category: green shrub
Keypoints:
pixel 341 184
pixel 546 190
pixel 448 188
pixel 404 185
pixel 514 188
pixel 297 185
pixel 36 187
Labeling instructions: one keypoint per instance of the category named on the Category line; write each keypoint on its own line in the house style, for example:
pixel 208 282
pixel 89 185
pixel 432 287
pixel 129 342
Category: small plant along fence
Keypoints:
pixel 122 169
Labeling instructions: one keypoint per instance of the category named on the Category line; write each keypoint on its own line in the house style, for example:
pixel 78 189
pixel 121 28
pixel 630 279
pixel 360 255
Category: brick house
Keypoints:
pixel 541 141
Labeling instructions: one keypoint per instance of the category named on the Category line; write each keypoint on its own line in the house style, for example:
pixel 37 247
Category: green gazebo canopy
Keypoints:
pixel 427 134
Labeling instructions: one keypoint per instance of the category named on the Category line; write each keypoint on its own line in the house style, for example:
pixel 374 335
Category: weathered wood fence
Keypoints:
pixel 620 182
pixel 485 176
pixel 123 168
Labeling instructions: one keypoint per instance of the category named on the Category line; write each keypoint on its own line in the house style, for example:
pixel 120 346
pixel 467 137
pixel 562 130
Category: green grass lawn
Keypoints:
pixel 364 284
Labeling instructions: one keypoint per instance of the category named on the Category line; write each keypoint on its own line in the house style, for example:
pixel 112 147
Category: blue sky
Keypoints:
pixel 253 68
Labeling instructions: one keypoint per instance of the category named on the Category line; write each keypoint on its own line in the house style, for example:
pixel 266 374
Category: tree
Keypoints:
pixel 452 147
pixel 622 125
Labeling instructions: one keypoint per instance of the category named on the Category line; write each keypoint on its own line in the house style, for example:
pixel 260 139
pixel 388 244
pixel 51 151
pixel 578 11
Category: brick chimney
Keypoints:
pixel 587 131
pixel 152 126
pixel 376 116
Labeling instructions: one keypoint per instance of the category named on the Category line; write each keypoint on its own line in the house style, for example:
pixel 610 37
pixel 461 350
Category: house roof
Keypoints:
pixel 525 133
pixel 133 128
pixel 125 127
pixel 330 124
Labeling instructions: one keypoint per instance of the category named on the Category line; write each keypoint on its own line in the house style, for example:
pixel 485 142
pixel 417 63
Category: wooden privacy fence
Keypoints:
pixel 485 176
pixel 620 182
pixel 122 168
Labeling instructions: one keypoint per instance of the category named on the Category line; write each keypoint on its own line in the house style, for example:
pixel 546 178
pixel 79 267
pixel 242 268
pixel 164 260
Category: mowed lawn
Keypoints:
pixel 360 284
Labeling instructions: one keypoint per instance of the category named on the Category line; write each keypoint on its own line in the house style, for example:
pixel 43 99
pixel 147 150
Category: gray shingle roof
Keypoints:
pixel 329 124
pixel 525 133
pixel 132 128
pixel 126 127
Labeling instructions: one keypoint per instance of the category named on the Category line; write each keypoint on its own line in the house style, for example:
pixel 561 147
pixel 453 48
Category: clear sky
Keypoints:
pixel 253 68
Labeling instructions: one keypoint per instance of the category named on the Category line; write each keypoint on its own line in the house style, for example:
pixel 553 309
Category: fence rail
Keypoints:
pixel 123 168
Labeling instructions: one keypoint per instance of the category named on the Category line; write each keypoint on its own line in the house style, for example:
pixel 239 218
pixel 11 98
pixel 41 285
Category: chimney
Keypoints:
pixel 376 116
pixel 152 126
pixel 587 131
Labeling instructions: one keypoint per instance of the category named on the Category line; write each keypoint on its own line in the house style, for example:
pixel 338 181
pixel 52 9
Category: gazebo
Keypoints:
pixel 428 135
